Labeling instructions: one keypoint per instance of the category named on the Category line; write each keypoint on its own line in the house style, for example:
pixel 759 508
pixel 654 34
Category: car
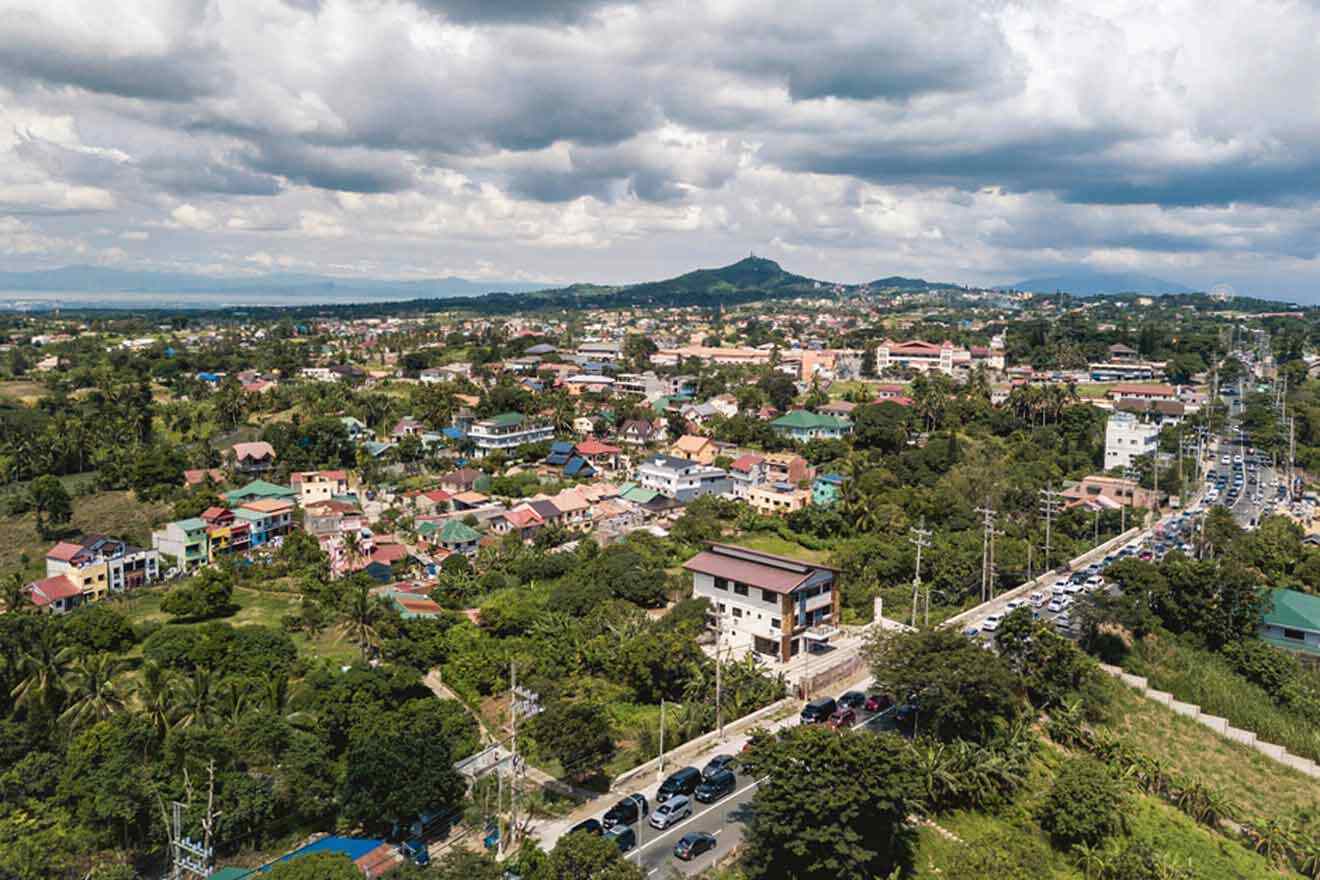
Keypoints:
pixel 843 718
pixel 716 764
pixel 972 631
pixel 818 711
pixel 624 837
pixel 626 812
pixel 671 812
pixel 717 786
pixel 878 702
pixel 677 784
pixel 591 826
pixel 415 851
pixel 992 622
pixel 1073 589
pixel 852 700
pixel 693 844
pixel 1036 599
pixel 1056 605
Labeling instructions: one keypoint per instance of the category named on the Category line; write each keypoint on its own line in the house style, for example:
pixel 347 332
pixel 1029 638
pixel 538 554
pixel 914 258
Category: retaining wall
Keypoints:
pixel 1218 725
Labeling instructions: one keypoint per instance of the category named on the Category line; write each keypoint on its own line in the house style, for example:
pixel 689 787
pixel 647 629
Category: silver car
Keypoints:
pixel 671 812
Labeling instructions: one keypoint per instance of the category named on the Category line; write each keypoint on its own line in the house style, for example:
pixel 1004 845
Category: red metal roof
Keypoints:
pixel 777 578
pixel 52 589
pixel 592 446
pixel 64 551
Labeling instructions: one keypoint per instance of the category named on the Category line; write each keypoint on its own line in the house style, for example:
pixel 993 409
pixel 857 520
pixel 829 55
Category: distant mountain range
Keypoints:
pixel 97 279
pixel 1087 282
pixel 898 282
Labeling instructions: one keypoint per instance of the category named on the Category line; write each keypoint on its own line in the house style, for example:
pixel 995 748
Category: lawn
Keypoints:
pixel 254 607
pixel 22 391
pixel 768 543
pixel 113 513
pixel 1260 786
pixel 1093 390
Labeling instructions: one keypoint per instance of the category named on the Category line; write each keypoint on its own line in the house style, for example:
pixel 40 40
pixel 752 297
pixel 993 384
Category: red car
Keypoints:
pixel 878 702
pixel 843 718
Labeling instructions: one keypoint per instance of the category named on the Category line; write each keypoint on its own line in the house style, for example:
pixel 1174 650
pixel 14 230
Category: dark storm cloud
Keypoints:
pixel 353 170
pixel 190 177
pixel 173 78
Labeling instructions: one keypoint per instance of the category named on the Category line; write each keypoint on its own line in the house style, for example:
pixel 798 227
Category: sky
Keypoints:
pixel 579 140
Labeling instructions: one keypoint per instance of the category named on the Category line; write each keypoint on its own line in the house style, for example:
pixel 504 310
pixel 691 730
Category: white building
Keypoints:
pixel 507 432
pixel 681 479
pixel 1127 437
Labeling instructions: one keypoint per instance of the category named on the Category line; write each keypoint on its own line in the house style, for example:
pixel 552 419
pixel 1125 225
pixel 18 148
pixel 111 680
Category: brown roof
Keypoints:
pixel 778 574
pixel 64 551
pixel 52 589
pixel 255 449
pixel 268 505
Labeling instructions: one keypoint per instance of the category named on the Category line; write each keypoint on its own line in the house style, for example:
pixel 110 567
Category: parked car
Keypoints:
pixel 623 836
pixel 716 764
pixel 717 786
pixel 1036 599
pixel 1056 605
pixel 843 719
pixel 415 851
pixel 680 782
pixel 671 812
pixel 991 623
pixel 972 631
pixel 852 699
pixel 818 711
pixel 693 844
pixel 591 826
pixel 627 811
pixel 878 702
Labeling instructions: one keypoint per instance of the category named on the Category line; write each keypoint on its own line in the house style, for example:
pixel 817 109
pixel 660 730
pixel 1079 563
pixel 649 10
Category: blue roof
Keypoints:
pixel 353 847
pixel 208 377
pixel 452 433
pixel 836 479
pixel 561 446
pixel 578 467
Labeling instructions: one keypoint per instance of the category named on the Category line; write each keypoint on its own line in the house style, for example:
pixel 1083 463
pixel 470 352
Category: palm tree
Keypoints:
pixel 360 618
pixel 232 700
pixel 15 594
pixel 352 549
pixel 155 696
pixel 278 700
pixel 43 666
pixel 935 770
pixel 93 693
pixel 197 699
pixel 1093 860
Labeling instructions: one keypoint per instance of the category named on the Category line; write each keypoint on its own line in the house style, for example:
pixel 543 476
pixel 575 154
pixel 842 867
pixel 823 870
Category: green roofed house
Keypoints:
pixel 257 490
pixel 802 425
pixel 1292 620
pixel 507 432
pixel 457 536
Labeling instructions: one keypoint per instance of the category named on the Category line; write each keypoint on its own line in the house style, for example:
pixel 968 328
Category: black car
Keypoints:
pixel 591 826
pixel 717 786
pixel 623 836
pixel 693 844
pixel 818 711
pixel 716 764
pixel 683 781
pixel 852 700
pixel 628 811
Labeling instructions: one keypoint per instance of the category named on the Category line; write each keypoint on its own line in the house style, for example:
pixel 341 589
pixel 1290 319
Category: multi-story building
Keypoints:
pixel 507 432
pixel 599 353
pixel 314 486
pixel 681 479
pixel 99 565
pixel 945 357
pixel 649 384
pixel 1138 391
pixel 267 518
pixel 1128 437
pixel 745 473
pixel 225 533
pixel 775 499
pixel 773 605
pixel 184 542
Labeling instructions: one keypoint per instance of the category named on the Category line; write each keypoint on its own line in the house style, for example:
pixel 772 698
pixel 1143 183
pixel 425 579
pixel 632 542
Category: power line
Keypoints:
pixel 1049 506
pixel 920 538
pixel 987 551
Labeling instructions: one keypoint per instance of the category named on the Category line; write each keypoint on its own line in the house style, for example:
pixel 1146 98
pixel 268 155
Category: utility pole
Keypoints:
pixel 1049 505
pixel 719 684
pixel 1292 455
pixel 662 737
pixel 1129 474
pixel 920 537
pixel 987 550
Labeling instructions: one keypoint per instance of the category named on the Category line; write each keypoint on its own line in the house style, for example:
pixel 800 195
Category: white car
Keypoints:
pixel 1072 589
pixel 992 623
pixel 1014 605
pixel 1056 605
pixel 1036 599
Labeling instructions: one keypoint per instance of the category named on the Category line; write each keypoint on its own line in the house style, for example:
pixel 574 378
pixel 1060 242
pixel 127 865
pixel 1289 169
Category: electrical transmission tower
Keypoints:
pixel 1049 506
pixel 987 552
pixel 920 538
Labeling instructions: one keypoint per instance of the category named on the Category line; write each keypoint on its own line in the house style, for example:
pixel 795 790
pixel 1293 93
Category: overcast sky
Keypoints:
pixel 565 140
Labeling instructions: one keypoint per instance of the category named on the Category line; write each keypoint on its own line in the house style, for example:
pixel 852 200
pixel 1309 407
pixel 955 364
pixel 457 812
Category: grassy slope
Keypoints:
pixel 768 543
pixel 114 513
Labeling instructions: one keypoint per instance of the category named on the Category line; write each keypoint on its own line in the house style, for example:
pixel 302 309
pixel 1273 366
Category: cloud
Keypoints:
pixel 192 217
pixel 514 11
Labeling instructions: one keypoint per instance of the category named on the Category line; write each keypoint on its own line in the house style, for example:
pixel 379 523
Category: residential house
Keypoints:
pixel 99 565
pixel 458 537
pixel 256 490
pixel 681 479
pixel 201 476
pixel 840 409
pixel 826 490
pixel 225 533
pixel 699 449
pixel 434 501
pixel 776 499
pixel 1291 620
pixel 462 480
pixel 788 467
pixel 356 429
pixel 521 520
pixel 774 605
pixel 601 456
pixel 725 405
pixel 640 432
pixel 267 518
pixel 575 508
pixel 1138 391
pixel 313 486
pixel 506 432
pixel 184 542
pixel 1098 490
pixel 560 452
pixel 746 472
pixel 256 457
pixel 57 594
pixel 407 427
pixel 801 425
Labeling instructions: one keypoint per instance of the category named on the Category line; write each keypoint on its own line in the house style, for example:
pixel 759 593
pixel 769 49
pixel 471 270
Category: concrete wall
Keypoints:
pixel 1218 725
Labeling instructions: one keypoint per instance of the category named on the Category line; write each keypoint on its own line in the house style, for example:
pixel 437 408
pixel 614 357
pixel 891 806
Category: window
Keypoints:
pixel 721 584
pixel 740 589
pixel 722 608
pixel 776 623
pixel 769 597
pixel 737 612
pixel 1295 634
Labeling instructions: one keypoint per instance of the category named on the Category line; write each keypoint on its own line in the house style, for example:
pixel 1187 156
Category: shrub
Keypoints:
pixel 1085 805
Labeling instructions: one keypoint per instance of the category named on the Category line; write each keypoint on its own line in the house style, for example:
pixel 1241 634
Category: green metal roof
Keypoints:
pixel 191 524
pixel 801 418
pixel 458 532
pixel 638 495
pixel 260 489
pixel 507 420
pixel 1293 610
pixel 1290 645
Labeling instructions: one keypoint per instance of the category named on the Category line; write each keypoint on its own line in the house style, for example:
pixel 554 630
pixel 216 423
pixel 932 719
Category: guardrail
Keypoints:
pixel 1004 598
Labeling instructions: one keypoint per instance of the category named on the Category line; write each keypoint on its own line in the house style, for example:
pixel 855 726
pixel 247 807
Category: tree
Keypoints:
pixel 960 690
pixel 577 735
pixel 882 426
pixel 93 693
pixel 1085 804
pixel 778 389
pixel 362 613
pixel 316 866
pixel 583 856
pixel 851 821
pixel 51 503
pixel 398 766
pixel 1050 666
pixel 209 594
